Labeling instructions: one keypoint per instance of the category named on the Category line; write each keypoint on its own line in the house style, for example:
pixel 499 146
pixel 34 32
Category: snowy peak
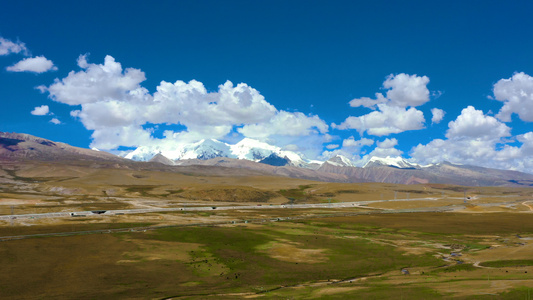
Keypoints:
pixel 248 149
pixel 251 149
pixel 395 162
pixel 143 153
pixel 206 149
pixel 255 150
pixel 340 161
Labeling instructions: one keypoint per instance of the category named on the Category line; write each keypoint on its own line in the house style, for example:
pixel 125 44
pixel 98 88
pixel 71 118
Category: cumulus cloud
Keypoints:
pixel 386 120
pixel 37 64
pixel 351 142
pixel 472 123
pixel 369 102
pixel 42 110
pixel 351 148
pixel 386 148
pixel 438 115
pixel 394 112
pixel 55 121
pixel 113 103
pixel 99 83
pixel 286 123
pixel 407 90
pixel 517 95
pixel 191 104
pixel 8 47
pixel 477 152
pixel 477 139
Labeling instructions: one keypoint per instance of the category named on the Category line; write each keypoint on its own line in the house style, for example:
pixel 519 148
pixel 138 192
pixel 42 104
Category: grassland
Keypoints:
pixel 478 247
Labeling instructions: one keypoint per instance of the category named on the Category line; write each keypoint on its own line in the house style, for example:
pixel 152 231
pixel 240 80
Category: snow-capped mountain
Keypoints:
pixel 247 148
pixel 395 162
pixel 251 149
pixel 340 161
pixel 23 148
pixel 203 149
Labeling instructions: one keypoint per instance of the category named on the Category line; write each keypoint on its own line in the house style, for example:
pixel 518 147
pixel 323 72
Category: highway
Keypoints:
pixel 359 204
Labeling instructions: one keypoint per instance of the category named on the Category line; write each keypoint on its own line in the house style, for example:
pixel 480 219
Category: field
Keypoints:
pixel 407 242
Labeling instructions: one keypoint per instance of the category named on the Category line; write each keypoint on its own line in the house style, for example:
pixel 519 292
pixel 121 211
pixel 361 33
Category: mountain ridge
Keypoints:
pixel 21 147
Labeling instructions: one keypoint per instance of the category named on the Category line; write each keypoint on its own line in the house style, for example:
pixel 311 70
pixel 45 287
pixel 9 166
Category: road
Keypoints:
pixel 360 204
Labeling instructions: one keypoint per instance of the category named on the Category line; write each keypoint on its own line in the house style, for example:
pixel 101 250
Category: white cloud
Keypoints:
pixel 473 123
pixel 128 136
pixel 98 83
pixel 479 152
pixel 190 103
pixel 37 64
pixel 388 143
pixel 517 95
pixel 407 90
pixel 438 115
pixel 403 90
pixel 286 123
pixel 351 148
pixel 527 143
pixel 385 121
pixel 351 142
pixel 386 148
pixel 42 110
pixel 395 112
pixel 55 121
pixel 369 102
pixel 477 139
pixel 8 47
pixel 116 106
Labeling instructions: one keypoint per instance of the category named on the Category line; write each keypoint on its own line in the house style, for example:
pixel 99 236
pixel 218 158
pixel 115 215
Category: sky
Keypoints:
pixel 430 81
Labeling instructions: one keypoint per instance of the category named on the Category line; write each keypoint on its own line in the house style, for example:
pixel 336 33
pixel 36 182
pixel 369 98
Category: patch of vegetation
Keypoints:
pixel 456 268
pixel 238 249
pixel 14 175
pixel 304 187
pixel 349 291
pixel 348 192
pixel 475 247
pixel 75 226
pixel 518 293
pixel 237 194
pixel 296 194
pixel 140 176
pixel 445 224
pixel 507 263
pixel 174 192
pixel 143 190
pixel 327 194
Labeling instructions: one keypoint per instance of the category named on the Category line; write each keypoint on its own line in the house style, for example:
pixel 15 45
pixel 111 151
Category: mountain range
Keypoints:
pixel 246 149
pixel 254 157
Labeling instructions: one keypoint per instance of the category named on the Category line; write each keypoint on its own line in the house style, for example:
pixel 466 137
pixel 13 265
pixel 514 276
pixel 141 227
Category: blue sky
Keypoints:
pixel 301 64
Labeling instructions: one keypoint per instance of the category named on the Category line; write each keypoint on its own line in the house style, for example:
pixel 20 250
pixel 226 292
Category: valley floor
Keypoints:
pixel 120 234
